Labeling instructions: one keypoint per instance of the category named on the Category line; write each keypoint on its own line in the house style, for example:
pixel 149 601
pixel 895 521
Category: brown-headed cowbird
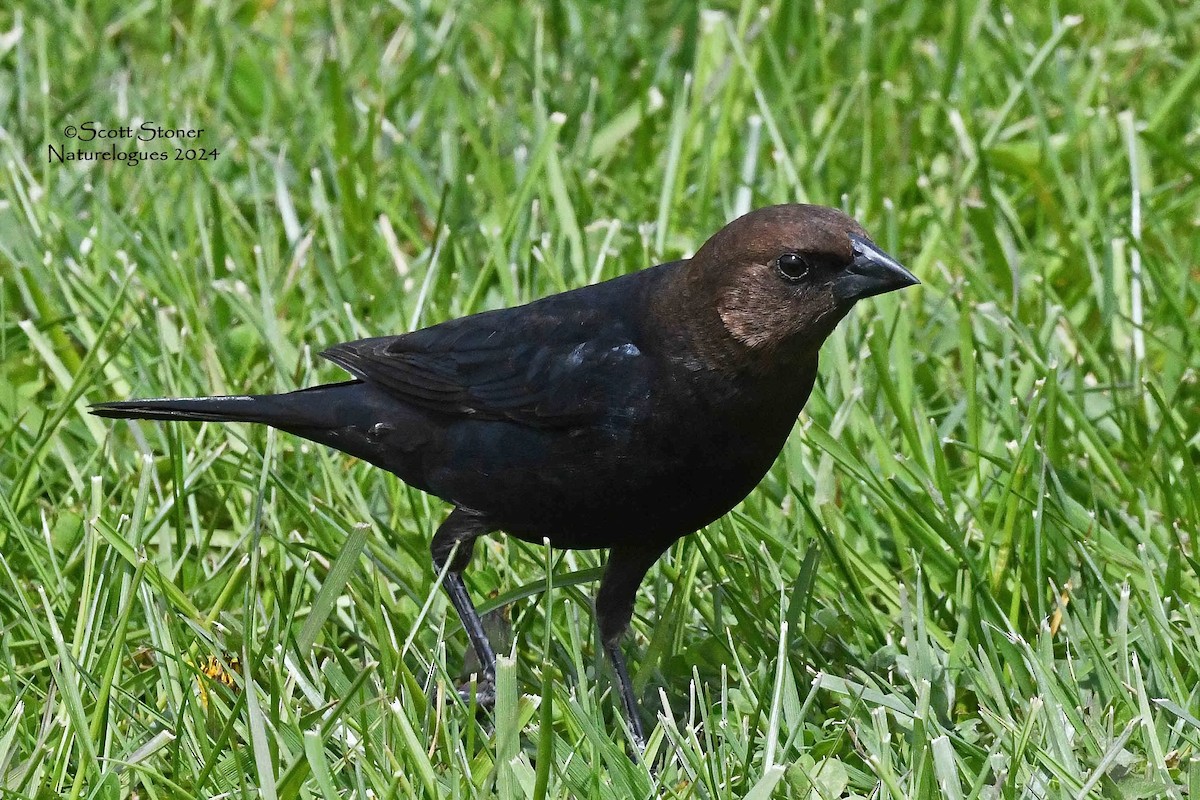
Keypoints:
pixel 622 415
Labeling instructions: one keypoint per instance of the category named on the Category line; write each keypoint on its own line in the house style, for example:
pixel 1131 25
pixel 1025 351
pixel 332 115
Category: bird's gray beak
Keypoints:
pixel 872 272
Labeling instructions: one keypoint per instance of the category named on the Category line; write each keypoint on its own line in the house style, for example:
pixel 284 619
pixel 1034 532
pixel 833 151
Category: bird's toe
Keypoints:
pixel 485 692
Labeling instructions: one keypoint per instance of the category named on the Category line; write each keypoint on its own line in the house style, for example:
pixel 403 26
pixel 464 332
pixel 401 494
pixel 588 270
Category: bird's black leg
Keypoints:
pixel 627 566
pixel 461 529
pixel 629 703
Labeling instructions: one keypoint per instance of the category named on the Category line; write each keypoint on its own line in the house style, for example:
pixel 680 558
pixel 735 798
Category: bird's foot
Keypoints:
pixel 485 692
pixel 638 753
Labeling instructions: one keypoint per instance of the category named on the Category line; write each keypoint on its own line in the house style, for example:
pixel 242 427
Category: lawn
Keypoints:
pixel 974 571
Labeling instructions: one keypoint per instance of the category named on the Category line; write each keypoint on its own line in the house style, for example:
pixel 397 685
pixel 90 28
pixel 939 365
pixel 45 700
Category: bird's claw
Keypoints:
pixel 485 692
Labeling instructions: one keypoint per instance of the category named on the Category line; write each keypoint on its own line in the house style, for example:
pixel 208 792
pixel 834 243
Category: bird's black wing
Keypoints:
pixel 545 370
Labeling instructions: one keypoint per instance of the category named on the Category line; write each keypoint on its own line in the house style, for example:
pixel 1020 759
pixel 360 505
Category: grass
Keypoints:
pixel 974 571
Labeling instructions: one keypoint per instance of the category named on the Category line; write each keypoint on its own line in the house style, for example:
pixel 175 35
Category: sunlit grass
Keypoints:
pixel 973 572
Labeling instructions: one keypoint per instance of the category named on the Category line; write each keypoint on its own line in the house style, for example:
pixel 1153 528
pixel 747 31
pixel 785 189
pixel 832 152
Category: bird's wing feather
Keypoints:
pixel 541 370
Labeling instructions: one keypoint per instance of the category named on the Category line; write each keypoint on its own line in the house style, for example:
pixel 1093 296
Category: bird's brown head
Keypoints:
pixel 787 274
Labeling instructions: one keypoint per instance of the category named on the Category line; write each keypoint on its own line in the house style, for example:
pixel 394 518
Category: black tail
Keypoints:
pixel 306 408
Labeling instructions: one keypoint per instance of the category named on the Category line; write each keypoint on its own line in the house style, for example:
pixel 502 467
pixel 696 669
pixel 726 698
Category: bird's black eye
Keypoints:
pixel 792 266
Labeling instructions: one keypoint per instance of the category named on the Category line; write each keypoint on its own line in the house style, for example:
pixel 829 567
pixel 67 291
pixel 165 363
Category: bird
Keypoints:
pixel 623 415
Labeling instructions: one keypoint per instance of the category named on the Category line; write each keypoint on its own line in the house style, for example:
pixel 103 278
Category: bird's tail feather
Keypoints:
pixel 292 410
pixel 210 409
